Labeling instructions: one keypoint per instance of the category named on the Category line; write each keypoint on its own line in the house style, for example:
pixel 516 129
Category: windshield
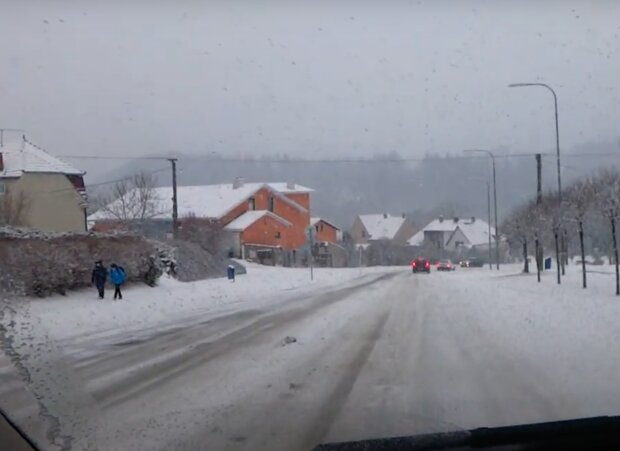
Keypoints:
pixel 271 225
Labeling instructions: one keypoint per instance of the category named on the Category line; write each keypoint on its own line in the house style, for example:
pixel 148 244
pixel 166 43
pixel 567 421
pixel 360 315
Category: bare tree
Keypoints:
pixel 580 199
pixel 608 188
pixel 134 199
pixel 538 226
pixel 518 231
pixel 13 207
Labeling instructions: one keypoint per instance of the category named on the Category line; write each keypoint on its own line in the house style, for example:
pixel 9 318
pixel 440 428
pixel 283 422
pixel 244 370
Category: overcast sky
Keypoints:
pixel 308 78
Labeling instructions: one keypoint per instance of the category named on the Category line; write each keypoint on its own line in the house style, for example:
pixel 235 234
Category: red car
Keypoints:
pixel 445 265
pixel 421 265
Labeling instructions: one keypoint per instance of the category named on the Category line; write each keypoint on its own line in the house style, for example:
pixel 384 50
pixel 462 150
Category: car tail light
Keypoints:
pixel 438 265
pixel 414 264
pixel 427 264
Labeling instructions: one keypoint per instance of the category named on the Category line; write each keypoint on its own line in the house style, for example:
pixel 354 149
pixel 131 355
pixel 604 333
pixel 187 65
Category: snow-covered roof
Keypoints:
pixel 475 230
pixel 381 226
pixel 23 156
pixel 316 219
pixel 250 217
pixel 292 188
pixel 204 201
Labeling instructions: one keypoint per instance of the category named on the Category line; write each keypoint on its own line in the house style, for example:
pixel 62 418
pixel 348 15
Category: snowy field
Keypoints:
pixel 370 352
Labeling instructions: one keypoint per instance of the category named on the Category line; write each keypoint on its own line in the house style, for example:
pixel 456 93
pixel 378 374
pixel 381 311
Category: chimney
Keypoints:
pixel 290 185
pixel 456 219
pixel 440 218
pixel 1 162
pixel 238 182
pixel 384 215
pixel 473 219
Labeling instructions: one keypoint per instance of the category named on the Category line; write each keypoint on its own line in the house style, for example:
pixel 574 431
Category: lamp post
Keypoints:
pixel 490 154
pixel 488 215
pixel 557 145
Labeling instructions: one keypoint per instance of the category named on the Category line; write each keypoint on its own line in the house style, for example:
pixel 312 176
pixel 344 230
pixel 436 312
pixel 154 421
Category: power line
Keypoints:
pixel 265 160
pixel 304 160
pixel 96 157
pixel 593 154
pixel 108 182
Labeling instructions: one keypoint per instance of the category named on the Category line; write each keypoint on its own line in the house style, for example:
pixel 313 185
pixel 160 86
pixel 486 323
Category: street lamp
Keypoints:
pixel 490 154
pixel 557 150
pixel 557 127
pixel 488 214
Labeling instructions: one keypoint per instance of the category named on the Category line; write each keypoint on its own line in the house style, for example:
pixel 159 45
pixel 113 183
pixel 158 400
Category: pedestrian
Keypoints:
pixel 99 277
pixel 118 277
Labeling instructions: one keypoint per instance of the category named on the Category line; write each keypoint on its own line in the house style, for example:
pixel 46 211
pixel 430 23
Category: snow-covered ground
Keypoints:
pixel 376 352
pixel 82 313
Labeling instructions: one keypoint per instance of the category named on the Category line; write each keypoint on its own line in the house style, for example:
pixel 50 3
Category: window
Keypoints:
pixel 252 203
pixel 277 235
pixel 363 234
pixel 270 207
pixel 321 227
pixel 2 188
pixel 316 227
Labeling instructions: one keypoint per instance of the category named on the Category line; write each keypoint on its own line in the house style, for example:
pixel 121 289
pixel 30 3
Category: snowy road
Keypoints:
pixel 389 354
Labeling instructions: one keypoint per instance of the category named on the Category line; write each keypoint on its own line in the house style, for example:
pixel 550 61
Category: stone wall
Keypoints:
pixel 39 264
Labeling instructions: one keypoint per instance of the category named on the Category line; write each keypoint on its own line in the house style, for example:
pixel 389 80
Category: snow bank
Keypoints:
pixel 572 330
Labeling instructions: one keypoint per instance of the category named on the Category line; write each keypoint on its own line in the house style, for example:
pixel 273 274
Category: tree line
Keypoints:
pixel 583 221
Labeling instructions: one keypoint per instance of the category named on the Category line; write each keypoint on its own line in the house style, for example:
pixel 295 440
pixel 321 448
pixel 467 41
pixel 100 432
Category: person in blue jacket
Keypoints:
pixel 99 277
pixel 118 276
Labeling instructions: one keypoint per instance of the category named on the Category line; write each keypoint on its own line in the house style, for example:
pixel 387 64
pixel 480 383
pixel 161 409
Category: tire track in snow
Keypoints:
pixel 201 349
pixel 296 397
pixel 325 417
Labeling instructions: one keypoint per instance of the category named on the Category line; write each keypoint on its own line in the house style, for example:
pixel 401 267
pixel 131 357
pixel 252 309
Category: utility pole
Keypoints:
pixel 492 156
pixel 175 209
pixel 562 232
pixel 310 253
pixel 489 222
pixel 538 250
pixel 538 178
pixel 495 212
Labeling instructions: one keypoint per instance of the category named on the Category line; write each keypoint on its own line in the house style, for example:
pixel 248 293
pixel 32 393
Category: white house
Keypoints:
pixel 381 227
pixel 453 234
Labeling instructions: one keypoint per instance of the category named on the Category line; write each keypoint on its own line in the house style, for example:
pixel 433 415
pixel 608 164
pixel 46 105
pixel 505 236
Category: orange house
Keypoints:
pixel 270 217
pixel 275 215
pixel 261 227
pixel 324 232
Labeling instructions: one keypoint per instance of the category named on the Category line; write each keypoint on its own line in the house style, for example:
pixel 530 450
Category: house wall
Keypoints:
pixel 325 233
pixel 293 237
pixel 264 231
pixel 406 231
pixel 436 239
pixel 457 236
pixel 261 198
pixel 302 199
pixel 52 202
pixel 296 234
pixel 358 232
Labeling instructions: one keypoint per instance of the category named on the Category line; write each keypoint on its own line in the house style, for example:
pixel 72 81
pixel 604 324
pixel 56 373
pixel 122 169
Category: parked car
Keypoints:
pixel 445 265
pixel 472 263
pixel 421 265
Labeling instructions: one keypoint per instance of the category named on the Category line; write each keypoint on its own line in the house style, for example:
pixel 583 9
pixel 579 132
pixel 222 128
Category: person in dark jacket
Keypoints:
pixel 118 277
pixel 99 277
